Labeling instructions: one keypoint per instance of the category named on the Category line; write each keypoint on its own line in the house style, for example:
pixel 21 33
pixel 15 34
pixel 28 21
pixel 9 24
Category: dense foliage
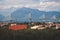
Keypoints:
pixel 28 34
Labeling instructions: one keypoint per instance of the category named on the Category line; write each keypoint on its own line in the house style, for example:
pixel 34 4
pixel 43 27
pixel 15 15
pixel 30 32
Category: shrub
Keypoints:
pixel 28 34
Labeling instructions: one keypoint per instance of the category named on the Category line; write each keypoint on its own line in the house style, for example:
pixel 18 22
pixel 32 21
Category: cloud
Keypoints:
pixel 49 6
pixel 8 6
pixel 54 0
pixel 49 0
pixel 44 5
pixel 16 2
pixel 4 7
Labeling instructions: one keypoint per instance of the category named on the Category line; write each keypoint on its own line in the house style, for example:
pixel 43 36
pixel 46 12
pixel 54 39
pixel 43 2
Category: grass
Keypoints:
pixel 28 34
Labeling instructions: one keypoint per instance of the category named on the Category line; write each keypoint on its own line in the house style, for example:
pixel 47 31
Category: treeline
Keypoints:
pixel 28 34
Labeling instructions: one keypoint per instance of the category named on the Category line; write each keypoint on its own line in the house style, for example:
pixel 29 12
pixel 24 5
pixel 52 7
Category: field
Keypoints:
pixel 29 34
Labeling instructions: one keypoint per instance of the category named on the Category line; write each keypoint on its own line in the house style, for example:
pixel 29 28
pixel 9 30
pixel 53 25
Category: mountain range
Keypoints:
pixel 1 17
pixel 23 14
pixel 34 13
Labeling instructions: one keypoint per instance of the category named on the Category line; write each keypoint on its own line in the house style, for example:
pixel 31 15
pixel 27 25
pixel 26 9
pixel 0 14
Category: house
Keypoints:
pixel 38 27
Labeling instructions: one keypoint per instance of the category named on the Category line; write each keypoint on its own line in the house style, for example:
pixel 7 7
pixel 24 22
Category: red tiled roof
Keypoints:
pixel 18 27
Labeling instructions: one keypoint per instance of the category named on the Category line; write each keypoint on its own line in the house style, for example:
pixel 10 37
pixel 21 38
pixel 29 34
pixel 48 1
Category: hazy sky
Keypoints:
pixel 49 5
pixel 43 5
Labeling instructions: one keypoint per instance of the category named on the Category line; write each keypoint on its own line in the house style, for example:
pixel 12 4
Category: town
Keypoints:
pixel 33 25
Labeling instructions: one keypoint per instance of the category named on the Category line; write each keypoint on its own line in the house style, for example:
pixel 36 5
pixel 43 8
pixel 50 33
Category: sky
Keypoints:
pixel 7 6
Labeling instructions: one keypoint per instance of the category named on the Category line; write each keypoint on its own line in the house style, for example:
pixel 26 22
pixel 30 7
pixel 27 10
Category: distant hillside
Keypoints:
pixel 1 17
pixel 24 13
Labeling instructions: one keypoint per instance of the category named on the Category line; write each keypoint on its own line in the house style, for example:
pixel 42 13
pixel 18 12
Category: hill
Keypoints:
pixel 1 17
pixel 35 13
